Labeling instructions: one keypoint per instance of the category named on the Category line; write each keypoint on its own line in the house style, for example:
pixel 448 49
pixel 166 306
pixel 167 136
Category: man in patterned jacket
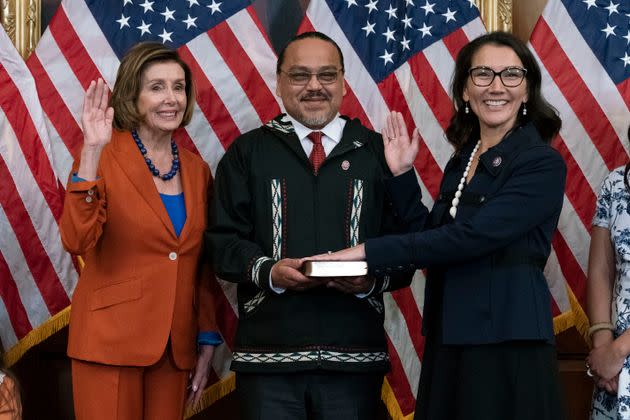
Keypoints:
pixel 305 183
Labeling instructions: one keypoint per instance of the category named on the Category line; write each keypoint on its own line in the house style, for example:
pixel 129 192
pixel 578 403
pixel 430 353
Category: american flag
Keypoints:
pixel 36 275
pixel 234 70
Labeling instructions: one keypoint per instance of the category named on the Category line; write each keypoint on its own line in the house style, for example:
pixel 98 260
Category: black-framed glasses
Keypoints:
pixel 301 78
pixel 511 76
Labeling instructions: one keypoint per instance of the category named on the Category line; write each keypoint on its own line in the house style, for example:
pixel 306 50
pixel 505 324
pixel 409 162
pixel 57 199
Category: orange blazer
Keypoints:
pixel 141 283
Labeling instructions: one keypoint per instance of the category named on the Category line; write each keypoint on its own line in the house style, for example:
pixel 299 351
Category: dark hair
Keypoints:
pixel 544 116
pixel 308 35
pixel 129 82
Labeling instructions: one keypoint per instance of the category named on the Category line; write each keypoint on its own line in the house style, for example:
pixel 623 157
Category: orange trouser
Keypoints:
pixel 105 392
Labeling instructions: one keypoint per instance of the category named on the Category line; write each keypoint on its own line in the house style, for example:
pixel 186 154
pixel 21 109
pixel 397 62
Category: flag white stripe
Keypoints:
pixel 262 55
pixel 205 139
pixel 398 332
pixel 7 334
pixel 575 233
pixel 61 76
pixel 557 283
pixel 222 79
pixel 441 60
pixel 36 309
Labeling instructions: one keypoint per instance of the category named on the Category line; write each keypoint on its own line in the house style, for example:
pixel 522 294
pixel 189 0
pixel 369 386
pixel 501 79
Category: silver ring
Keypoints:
pixel 589 373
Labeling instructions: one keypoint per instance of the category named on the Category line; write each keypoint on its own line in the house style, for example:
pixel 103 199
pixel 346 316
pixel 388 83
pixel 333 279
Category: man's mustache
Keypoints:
pixel 315 95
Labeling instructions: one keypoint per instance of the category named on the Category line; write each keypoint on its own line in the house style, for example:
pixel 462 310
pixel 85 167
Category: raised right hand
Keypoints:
pixel 97 117
pixel 400 150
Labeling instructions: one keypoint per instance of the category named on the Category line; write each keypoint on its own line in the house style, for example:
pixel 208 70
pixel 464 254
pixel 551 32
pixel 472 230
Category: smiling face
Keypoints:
pixel 313 104
pixel 496 106
pixel 162 99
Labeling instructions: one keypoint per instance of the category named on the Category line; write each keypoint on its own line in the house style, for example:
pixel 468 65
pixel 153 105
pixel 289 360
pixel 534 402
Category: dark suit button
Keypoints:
pixel 482 198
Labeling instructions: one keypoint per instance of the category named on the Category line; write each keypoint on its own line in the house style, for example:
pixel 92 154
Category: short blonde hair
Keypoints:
pixel 129 82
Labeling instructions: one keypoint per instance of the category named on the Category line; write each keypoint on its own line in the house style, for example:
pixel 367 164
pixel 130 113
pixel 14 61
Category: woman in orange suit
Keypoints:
pixel 142 320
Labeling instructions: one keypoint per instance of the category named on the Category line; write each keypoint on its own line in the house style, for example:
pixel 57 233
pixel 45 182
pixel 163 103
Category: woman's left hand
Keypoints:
pixel 200 374
pixel 606 361
pixel 356 253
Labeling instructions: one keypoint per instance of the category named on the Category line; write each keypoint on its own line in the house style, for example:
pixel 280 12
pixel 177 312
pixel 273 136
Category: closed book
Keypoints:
pixel 335 268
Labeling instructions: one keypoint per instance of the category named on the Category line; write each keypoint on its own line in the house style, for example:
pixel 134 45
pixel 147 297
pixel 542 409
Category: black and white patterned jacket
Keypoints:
pixel 269 205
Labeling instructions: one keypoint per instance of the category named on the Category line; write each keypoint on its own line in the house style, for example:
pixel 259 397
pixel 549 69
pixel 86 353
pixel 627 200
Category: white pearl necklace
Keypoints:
pixel 453 210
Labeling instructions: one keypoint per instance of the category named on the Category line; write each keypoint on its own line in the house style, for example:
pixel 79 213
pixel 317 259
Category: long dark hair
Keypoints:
pixel 539 111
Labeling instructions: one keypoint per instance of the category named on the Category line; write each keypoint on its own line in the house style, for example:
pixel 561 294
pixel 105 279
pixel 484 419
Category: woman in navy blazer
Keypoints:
pixel 489 351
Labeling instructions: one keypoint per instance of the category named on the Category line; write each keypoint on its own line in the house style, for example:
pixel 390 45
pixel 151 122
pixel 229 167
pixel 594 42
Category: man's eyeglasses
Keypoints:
pixel 510 76
pixel 301 78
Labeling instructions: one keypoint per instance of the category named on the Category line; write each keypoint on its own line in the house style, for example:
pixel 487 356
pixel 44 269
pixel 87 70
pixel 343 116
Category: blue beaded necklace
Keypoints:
pixel 152 168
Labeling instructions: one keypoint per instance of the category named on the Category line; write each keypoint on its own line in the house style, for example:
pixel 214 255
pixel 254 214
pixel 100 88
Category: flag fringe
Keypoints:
pixel 391 403
pixel 213 394
pixel 37 335
pixel 576 317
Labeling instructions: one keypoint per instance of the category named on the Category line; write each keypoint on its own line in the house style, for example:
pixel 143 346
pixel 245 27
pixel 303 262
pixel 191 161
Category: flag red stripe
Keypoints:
pixel 569 266
pixel 624 90
pixel 184 140
pixel 437 98
pixel 210 103
pixel 11 299
pixel 399 382
pixel 72 49
pixel 577 189
pixel 17 114
pixel 580 98
pixel 263 31
pixel 55 109
pixel 351 107
pixel 34 253
pixel 455 41
pixel 413 319
pixel 244 71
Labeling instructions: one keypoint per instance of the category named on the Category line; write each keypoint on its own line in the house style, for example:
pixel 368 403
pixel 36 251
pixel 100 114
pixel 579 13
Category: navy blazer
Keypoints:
pixel 491 258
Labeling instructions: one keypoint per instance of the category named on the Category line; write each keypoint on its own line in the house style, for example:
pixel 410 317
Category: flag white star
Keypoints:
pixel 191 3
pixel 426 30
pixel 391 11
pixel 449 15
pixel 371 6
pixel 127 1
pixel 168 14
pixel 405 43
pixel 627 37
pixel 147 5
pixel 124 21
pixel 612 8
pixel 609 30
pixel 389 35
pixel 166 36
pixel 190 22
pixel 589 3
pixel 428 7
pixel 215 7
pixel 473 3
pixel 144 28
pixel 387 57
pixel 351 3
pixel 409 3
pixel 369 28
pixel 625 59
pixel 407 21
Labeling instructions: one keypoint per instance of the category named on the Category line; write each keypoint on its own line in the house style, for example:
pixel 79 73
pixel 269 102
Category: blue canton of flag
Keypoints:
pixel 171 22
pixel 605 25
pixel 395 30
